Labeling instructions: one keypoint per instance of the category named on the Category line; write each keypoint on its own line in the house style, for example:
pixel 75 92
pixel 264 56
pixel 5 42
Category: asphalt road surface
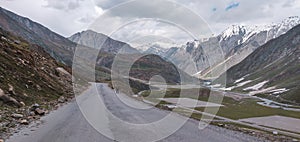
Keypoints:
pixel 131 122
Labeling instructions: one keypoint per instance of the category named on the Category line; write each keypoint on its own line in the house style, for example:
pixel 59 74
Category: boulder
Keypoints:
pixel 29 82
pixel 31 113
pixel 220 125
pixel 8 100
pixel 4 38
pixel 24 94
pixel 24 122
pixel 34 107
pixel 39 111
pixel 17 41
pixel 62 72
pixel 23 104
pixel 16 115
pixel 61 99
pixel 38 87
pixel 11 90
pixel 1 92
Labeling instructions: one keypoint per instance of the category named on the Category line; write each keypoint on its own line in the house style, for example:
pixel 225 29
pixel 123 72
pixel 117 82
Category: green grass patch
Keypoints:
pixel 247 108
pixel 233 109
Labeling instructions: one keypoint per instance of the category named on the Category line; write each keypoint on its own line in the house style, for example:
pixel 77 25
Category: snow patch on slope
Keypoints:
pixel 256 86
pixel 239 80
pixel 278 91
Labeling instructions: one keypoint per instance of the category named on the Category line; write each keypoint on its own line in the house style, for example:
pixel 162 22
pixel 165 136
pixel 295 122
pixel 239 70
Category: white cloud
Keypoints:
pixel 58 17
pixel 106 4
pixel 70 16
pixel 289 3
pixel 144 28
pixel 63 4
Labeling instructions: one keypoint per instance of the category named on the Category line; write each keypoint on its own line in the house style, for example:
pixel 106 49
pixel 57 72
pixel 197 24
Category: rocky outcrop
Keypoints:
pixel 9 100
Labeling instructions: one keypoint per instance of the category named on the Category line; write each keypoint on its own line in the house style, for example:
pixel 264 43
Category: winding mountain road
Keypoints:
pixel 69 124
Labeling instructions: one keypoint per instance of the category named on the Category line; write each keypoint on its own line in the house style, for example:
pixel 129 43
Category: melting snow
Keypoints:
pixel 256 87
pixel 261 91
pixel 197 73
pixel 278 91
pixel 227 89
pixel 239 80
pixel 238 85
pixel 215 85
pixel 243 83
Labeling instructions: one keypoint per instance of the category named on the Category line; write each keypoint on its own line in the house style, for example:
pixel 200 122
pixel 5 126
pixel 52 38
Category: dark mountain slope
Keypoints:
pixel 57 46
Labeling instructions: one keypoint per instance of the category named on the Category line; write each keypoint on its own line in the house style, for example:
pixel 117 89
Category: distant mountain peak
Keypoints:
pixel 101 41
pixel 234 30
pixel 237 42
pixel 293 18
pixel 89 32
pixel 292 21
pixel 161 45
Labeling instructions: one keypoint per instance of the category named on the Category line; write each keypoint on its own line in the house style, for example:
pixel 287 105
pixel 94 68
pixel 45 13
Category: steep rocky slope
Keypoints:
pixel 57 46
pixel 272 70
pixel 31 82
pixel 29 71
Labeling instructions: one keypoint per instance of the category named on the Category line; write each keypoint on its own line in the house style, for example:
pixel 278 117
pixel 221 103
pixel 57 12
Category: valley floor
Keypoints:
pixel 234 111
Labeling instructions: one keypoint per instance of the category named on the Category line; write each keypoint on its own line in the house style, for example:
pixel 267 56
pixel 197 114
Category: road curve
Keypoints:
pixel 68 124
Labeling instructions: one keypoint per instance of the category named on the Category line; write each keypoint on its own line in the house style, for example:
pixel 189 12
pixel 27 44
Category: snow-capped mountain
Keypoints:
pixel 214 56
pixel 274 30
pixel 284 26
pixel 272 69
pixel 157 48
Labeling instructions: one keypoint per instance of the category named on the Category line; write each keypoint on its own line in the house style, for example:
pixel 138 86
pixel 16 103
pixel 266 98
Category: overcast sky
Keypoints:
pixel 129 21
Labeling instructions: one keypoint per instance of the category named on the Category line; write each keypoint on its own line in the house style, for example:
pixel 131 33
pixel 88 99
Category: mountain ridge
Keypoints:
pixel 103 42
pixel 232 46
pixel 56 45
pixel 274 66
